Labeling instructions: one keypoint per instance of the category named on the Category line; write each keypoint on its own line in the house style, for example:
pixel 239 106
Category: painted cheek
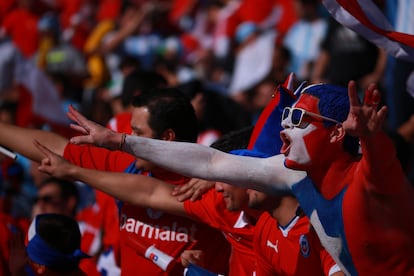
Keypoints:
pixel 311 141
pixel 304 148
pixel 298 155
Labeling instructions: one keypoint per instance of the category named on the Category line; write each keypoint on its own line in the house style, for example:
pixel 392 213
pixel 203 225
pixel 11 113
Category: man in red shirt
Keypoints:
pixel 163 114
pixel 364 222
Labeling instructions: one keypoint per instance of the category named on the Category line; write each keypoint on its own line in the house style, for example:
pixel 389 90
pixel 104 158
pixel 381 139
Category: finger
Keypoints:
pixel 196 195
pixel 185 196
pixel 182 189
pixel 352 94
pixel 73 114
pixel 79 128
pixel 382 115
pixel 76 116
pixel 376 98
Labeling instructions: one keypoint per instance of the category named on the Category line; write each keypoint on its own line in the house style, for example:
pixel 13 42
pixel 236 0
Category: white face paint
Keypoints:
pixel 294 146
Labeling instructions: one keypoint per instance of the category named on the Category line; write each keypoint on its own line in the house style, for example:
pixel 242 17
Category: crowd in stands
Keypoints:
pixel 226 56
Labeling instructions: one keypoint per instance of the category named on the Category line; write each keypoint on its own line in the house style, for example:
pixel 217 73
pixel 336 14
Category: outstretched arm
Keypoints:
pixel 132 188
pixel 365 120
pixel 20 139
pixel 194 160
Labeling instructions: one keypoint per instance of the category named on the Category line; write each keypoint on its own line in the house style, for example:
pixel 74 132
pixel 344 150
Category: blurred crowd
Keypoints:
pixel 227 56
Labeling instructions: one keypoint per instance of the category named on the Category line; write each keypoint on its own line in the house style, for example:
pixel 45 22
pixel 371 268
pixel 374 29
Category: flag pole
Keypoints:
pixel 8 152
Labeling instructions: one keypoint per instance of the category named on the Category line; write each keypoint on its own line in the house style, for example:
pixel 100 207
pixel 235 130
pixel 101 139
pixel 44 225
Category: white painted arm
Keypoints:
pixel 194 160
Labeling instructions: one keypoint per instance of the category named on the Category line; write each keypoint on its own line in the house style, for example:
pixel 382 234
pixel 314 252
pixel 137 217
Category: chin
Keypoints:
pixel 294 165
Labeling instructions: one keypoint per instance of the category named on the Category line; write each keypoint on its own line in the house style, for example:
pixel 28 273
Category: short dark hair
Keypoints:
pixel 139 82
pixel 61 233
pixel 169 108
pixel 234 140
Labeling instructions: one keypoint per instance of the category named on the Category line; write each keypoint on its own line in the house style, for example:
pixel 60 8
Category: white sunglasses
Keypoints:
pixel 296 116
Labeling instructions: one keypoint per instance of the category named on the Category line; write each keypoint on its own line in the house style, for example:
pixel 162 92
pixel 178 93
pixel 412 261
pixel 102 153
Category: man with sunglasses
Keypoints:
pixel 361 205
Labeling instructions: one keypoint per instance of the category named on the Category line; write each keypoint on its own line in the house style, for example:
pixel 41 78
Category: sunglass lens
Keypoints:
pixel 285 113
pixel 297 115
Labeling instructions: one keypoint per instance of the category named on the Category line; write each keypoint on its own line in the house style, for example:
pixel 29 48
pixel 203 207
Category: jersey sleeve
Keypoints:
pixel 379 165
pixel 97 158
pixel 204 210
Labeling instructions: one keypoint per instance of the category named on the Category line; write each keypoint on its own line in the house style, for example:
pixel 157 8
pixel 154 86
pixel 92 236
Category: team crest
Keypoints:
pixel 304 246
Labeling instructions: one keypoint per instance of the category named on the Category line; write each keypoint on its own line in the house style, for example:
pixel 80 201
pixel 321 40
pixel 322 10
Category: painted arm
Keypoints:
pixel 193 160
pixel 136 189
pixel 20 140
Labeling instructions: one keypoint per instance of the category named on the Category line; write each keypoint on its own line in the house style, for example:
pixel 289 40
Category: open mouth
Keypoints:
pixel 286 144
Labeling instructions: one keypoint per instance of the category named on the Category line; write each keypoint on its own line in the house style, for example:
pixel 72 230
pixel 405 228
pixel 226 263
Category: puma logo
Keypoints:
pixel 274 246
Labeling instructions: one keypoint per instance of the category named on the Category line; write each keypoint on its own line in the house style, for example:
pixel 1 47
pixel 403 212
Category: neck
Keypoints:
pixel 331 179
pixel 286 211
pixel 252 214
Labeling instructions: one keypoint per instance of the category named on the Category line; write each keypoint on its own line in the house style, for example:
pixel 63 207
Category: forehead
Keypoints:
pixel 50 189
pixel 139 119
pixel 308 102
pixel 233 189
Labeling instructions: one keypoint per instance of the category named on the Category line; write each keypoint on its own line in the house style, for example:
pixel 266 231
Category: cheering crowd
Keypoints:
pixel 214 137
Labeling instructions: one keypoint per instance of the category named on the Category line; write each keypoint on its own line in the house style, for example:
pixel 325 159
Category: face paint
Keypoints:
pixel 306 144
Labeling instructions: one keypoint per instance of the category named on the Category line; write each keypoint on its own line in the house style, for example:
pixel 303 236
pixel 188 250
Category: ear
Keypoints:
pixel 168 135
pixel 71 203
pixel 337 134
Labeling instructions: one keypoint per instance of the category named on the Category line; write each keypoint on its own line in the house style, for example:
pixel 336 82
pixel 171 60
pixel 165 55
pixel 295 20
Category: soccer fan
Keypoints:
pixel 364 222
pixel 57 196
pixel 52 246
pixel 162 114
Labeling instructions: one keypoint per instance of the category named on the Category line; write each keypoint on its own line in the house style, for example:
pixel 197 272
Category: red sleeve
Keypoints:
pixel 326 261
pixel 97 158
pixel 379 165
pixel 204 210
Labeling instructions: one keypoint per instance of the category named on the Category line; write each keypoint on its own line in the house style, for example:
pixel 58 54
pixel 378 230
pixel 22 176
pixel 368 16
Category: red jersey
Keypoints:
pixel 237 230
pixel 99 228
pixel 8 226
pixel 292 250
pixel 170 234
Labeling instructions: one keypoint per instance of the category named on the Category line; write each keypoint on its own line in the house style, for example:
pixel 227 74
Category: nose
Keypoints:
pixel 286 123
pixel 219 187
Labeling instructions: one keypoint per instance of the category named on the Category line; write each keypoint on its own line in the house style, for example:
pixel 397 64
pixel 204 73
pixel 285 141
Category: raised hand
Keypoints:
pixel 364 119
pixel 192 190
pixel 52 163
pixel 93 133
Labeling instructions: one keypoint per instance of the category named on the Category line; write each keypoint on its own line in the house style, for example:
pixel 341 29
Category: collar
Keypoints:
pixel 243 221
